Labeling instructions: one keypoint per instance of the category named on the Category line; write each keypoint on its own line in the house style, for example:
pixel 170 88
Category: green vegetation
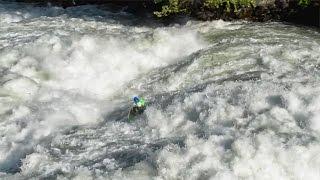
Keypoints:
pixel 214 4
pixel 304 3
pixel 171 7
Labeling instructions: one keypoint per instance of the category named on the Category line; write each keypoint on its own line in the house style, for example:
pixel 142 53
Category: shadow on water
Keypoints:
pixel 119 114
pixel 133 153
pixel 136 152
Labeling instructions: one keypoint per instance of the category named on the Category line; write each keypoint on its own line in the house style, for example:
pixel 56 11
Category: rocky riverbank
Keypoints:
pixel 266 10
pixel 304 12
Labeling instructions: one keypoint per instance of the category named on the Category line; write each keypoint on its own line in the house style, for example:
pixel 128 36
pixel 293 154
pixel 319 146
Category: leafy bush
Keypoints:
pixel 236 4
pixel 173 7
pixel 304 3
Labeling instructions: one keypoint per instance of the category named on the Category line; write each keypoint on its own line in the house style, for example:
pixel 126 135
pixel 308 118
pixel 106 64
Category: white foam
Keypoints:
pixel 61 72
pixel 59 81
pixel 22 87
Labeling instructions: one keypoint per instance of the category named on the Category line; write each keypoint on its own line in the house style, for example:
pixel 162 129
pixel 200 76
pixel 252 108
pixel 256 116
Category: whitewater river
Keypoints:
pixel 226 100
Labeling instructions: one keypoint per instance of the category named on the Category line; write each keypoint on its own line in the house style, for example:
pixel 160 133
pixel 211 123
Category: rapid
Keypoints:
pixel 226 100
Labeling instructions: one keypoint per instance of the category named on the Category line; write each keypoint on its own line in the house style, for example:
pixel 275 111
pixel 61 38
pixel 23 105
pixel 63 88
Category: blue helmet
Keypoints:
pixel 136 99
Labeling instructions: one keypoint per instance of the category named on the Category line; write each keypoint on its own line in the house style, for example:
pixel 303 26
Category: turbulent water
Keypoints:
pixel 226 100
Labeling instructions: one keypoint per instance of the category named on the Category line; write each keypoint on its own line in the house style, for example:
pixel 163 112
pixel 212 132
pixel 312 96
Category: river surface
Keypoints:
pixel 226 100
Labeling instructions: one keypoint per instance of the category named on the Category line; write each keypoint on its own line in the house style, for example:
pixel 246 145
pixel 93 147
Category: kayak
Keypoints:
pixel 135 111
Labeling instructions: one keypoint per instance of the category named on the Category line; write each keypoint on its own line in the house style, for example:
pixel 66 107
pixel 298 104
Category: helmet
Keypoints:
pixel 136 99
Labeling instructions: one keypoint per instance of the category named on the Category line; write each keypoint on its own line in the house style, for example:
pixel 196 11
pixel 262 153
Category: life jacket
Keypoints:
pixel 139 102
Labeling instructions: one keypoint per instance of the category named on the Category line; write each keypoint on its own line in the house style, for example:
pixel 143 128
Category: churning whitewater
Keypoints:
pixel 226 100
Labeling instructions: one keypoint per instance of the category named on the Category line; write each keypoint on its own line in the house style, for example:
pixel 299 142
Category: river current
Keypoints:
pixel 226 100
